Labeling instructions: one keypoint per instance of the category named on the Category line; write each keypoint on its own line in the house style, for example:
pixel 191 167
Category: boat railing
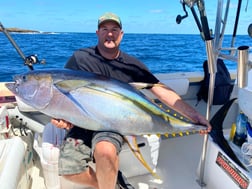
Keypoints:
pixel 232 54
pixel 213 49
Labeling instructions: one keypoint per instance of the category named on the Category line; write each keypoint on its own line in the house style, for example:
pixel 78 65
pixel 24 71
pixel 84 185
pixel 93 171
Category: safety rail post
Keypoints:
pixel 212 71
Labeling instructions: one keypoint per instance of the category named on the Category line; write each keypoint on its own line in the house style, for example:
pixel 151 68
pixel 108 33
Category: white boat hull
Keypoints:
pixel 176 161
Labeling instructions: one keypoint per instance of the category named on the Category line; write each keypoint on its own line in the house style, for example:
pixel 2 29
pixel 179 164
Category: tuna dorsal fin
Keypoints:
pixel 132 142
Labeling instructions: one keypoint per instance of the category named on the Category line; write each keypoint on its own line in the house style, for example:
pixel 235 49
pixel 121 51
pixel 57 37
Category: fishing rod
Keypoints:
pixel 197 22
pixel 204 21
pixel 28 60
pixel 236 24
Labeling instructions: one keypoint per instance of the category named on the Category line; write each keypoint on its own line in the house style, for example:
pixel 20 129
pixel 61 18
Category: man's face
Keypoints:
pixel 109 35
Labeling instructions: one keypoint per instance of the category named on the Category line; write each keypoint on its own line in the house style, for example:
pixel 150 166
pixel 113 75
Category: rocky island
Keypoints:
pixel 18 30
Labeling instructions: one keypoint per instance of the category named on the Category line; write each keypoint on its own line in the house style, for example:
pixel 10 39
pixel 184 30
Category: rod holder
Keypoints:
pixel 242 67
pixel 212 67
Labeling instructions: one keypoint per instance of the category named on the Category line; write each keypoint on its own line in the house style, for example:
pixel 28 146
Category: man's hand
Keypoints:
pixel 202 121
pixel 60 123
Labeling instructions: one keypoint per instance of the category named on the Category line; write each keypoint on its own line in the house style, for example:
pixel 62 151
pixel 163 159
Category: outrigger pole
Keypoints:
pixel 212 57
pixel 212 71
pixel 29 60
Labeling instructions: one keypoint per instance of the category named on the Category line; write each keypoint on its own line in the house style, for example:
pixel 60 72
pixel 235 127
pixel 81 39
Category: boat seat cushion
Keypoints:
pixel 179 85
pixel 12 152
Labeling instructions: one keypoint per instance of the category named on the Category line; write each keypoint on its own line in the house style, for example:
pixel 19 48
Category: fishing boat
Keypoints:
pixel 29 145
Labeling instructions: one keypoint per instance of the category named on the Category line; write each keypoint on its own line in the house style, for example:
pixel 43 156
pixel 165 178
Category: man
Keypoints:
pixel 104 147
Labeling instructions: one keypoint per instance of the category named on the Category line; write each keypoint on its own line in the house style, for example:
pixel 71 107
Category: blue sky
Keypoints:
pixel 138 16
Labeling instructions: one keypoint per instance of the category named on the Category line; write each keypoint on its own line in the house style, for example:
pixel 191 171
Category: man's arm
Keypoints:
pixel 172 99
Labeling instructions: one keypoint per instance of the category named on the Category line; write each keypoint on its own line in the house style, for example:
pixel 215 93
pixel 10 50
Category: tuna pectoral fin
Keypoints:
pixel 132 142
pixel 217 132
pixel 140 85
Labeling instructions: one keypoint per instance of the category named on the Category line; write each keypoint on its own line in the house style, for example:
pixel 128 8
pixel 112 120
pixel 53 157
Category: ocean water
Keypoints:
pixel 162 53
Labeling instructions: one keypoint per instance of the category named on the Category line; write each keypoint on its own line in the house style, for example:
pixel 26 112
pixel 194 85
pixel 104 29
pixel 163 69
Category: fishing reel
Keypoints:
pixel 33 59
pixel 202 23
pixel 179 17
pixel 190 4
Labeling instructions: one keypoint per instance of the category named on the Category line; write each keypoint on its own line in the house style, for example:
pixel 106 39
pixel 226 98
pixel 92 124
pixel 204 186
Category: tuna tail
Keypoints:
pixel 217 132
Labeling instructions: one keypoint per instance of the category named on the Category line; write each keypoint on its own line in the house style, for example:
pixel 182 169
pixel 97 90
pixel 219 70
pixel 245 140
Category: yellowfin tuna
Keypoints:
pixel 95 102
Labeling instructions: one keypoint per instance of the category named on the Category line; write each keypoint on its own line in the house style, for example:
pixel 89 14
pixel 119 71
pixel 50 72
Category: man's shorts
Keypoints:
pixel 75 155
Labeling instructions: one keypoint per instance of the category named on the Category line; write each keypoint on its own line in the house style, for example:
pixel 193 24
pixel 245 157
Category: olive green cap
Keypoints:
pixel 109 17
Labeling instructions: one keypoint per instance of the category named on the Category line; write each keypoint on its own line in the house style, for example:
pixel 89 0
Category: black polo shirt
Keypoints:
pixel 124 68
